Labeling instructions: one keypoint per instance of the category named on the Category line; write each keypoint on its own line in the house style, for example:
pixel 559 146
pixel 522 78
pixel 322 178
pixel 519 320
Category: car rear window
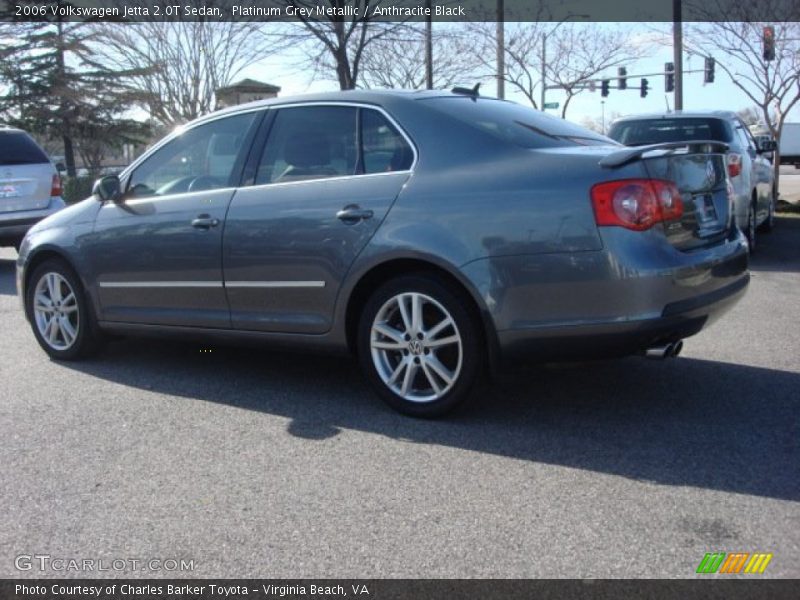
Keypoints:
pixel 656 131
pixel 517 124
pixel 17 148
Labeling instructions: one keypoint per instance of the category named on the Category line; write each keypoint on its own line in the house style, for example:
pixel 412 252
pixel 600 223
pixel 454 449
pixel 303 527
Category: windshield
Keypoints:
pixel 17 148
pixel 657 131
pixel 520 125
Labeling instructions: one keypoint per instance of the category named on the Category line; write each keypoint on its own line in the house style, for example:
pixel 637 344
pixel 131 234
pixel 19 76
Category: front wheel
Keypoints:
pixel 59 312
pixel 419 345
pixel 769 224
pixel 751 228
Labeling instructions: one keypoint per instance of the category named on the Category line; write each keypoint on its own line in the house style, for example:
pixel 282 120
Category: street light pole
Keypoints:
pixel 603 116
pixel 501 50
pixel 677 51
pixel 544 67
pixel 428 48
pixel 544 52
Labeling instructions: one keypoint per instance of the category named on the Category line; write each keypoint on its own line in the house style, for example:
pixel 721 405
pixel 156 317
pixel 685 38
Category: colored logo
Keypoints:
pixel 734 562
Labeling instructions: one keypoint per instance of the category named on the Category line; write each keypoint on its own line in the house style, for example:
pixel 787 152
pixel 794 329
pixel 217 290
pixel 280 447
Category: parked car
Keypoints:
pixel 790 144
pixel 429 233
pixel 750 171
pixel 30 187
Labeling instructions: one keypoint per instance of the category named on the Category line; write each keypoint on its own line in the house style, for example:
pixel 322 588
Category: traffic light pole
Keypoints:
pixel 677 49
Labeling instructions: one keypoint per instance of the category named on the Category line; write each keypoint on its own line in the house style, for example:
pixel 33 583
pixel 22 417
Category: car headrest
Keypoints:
pixel 308 150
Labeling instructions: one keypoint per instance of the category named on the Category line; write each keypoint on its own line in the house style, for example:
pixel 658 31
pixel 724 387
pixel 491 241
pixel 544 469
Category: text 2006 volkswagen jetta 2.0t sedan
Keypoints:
pixel 430 233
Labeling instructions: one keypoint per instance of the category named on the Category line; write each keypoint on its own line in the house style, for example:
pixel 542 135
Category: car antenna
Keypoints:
pixel 473 91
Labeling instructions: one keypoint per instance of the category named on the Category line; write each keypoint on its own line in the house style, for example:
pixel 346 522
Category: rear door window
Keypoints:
pixel 18 148
pixel 659 131
pixel 383 148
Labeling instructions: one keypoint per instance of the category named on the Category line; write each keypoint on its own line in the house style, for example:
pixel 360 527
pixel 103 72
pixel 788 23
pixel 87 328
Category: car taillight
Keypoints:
pixel 734 164
pixel 636 204
pixel 56 188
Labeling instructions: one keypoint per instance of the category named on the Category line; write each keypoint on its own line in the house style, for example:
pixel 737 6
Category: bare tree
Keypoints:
pixel 575 54
pixel 583 54
pixel 523 42
pixel 336 41
pixel 183 63
pixel 774 85
pixel 398 60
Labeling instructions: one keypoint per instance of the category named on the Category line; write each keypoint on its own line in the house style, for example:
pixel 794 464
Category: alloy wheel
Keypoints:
pixel 416 347
pixel 55 311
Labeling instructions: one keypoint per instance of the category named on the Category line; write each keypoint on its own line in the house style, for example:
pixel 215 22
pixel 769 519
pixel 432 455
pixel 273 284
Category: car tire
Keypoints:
pixel 420 345
pixel 769 223
pixel 60 313
pixel 751 228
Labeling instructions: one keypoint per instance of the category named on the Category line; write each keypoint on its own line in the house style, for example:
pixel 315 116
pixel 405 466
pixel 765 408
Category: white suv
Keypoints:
pixel 30 186
pixel 749 168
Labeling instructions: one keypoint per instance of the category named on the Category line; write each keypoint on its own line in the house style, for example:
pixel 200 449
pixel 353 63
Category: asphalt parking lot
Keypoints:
pixel 254 463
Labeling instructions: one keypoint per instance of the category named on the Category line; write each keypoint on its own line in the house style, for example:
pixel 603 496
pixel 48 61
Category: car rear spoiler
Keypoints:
pixel 623 157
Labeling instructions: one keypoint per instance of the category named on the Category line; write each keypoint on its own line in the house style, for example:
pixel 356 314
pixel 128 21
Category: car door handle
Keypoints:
pixel 204 222
pixel 353 213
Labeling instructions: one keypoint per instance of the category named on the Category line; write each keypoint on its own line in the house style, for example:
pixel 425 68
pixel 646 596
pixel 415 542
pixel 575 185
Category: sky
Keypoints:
pixel 720 95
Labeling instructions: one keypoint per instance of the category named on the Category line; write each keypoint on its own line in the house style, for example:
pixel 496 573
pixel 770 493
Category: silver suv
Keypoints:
pixel 30 187
pixel 749 168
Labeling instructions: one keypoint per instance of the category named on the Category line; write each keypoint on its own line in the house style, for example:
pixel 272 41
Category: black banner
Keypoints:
pixel 633 11
pixel 400 589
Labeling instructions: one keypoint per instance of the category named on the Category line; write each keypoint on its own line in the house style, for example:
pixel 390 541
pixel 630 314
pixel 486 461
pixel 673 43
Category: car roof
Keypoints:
pixel 7 129
pixel 681 114
pixel 378 97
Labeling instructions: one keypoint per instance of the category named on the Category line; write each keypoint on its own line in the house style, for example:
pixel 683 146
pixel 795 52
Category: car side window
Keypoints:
pixel 311 142
pixel 205 157
pixel 383 148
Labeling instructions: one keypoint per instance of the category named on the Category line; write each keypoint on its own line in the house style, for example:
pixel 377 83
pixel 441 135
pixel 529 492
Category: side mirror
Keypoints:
pixel 60 167
pixel 108 188
pixel 767 146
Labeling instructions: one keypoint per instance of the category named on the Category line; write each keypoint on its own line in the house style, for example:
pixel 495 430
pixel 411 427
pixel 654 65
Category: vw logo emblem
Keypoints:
pixel 415 347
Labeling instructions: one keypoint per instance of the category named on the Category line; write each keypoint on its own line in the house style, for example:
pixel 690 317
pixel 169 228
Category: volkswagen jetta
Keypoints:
pixel 429 233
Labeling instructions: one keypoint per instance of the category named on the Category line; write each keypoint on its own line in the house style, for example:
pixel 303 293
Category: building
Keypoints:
pixel 246 90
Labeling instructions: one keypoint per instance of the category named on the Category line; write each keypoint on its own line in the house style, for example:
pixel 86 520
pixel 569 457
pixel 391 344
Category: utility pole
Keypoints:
pixel 677 49
pixel 501 50
pixel 428 47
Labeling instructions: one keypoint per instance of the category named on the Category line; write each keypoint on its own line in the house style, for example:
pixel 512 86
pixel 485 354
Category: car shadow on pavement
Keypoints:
pixel 778 250
pixel 680 422
pixel 8 286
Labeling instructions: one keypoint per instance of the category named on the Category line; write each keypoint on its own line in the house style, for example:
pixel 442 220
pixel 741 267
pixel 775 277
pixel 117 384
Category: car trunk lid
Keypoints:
pixel 699 172
pixel 25 187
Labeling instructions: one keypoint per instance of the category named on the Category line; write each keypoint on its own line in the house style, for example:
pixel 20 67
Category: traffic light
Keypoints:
pixel 604 86
pixel 643 88
pixel 669 77
pixel 708 76
pixel 622 81
pixel 769 42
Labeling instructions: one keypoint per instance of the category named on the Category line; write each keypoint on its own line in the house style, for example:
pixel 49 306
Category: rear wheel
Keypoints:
pixel 419 345
pixel 59 312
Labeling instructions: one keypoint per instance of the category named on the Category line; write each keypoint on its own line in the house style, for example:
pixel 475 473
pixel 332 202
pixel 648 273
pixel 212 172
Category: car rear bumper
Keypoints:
pixel 635 293
pixel 14 225
pixel 678 320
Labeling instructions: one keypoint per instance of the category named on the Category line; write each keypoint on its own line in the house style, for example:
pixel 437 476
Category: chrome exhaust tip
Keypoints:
pixel 658 352
pixel 663 351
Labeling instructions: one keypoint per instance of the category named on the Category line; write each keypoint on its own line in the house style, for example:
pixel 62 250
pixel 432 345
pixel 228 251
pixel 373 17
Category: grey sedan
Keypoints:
pixel 431 234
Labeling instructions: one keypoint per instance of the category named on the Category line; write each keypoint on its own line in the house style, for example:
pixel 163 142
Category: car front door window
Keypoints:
pixel 205 157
